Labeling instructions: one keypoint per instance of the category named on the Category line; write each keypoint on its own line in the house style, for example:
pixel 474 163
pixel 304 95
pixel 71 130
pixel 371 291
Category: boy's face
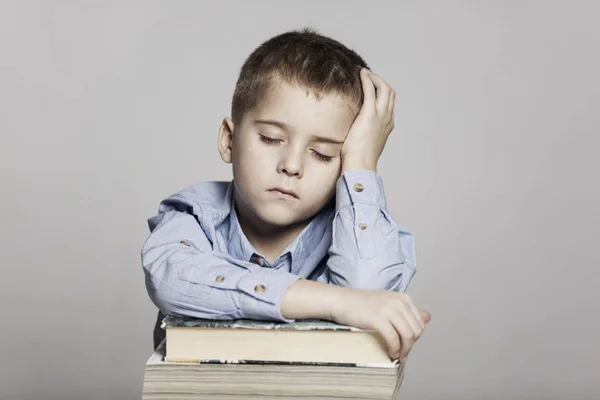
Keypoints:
pixel 290 141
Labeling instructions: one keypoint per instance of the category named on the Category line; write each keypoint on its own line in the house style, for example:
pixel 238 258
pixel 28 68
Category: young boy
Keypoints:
pixel 302 230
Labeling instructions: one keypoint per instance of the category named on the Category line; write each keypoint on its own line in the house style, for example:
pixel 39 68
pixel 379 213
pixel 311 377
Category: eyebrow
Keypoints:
pixel 286 127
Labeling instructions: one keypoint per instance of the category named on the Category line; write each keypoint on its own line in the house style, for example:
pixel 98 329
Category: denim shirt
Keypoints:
pixel 198 262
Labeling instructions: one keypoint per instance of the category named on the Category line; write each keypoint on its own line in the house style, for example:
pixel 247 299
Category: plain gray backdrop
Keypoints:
pixel 107 107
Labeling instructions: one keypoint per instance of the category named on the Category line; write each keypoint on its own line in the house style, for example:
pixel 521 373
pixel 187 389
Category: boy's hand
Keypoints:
pixel 369 131
pixel 392 314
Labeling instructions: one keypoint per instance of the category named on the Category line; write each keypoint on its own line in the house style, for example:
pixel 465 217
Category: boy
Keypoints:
pixel 302 230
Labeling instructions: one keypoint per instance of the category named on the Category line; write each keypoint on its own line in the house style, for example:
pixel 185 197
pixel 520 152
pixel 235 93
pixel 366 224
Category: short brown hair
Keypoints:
pixel 302 57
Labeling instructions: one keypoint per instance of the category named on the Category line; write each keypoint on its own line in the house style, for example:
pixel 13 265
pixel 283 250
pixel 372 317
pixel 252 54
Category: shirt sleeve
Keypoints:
pixel 369 249
pixel 184 276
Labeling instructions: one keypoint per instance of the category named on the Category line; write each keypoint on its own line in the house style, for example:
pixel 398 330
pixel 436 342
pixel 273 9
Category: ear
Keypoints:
pixel 225 142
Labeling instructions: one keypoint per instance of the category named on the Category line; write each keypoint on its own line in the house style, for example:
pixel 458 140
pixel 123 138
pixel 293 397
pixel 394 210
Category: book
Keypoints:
pixel 314 341
pixel 306 359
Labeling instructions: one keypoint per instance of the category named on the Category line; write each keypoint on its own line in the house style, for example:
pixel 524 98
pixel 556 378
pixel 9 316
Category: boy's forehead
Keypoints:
pixel 282 88
pixel 300 106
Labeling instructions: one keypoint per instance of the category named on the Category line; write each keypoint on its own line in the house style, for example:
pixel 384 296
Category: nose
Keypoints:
pixel 291 163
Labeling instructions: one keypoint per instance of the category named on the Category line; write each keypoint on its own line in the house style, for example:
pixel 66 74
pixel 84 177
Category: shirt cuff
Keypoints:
pixel 262 293
pixel 360 187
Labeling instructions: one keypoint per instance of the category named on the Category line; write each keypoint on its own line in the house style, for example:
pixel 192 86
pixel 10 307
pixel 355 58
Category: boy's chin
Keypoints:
pixel 279 218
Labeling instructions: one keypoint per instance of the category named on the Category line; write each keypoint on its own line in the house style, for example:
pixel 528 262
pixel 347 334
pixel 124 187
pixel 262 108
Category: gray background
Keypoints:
pixel 110 106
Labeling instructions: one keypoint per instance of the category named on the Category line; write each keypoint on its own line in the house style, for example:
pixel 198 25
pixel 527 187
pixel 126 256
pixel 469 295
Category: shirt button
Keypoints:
pixel 362 226
pixel 358 187
pixel 260 261
pixel 260 288
pixel 183 242
pixel 220 278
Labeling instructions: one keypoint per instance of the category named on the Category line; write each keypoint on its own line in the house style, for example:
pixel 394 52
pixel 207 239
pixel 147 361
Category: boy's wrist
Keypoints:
pixel 310 299
pixel 358 163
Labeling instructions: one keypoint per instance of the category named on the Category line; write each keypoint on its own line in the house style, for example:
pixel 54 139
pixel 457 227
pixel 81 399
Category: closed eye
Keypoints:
pixel 269 140
pixel 321 157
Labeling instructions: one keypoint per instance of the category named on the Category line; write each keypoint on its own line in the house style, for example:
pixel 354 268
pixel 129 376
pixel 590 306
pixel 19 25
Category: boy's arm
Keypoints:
pixel 369 249
pixel 184 276
pixel 393 315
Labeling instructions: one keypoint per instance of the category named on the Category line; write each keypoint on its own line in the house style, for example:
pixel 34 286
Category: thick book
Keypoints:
pixel 250 341
pixel 263 380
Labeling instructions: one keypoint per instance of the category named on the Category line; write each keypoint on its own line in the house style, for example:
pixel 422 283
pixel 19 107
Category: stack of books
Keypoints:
pixel 246 359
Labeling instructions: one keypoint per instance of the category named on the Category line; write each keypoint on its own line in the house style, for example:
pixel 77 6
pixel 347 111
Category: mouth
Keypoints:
pixel 284 192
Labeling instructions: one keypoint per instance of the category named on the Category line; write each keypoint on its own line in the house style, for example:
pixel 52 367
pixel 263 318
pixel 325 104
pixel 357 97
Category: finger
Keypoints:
pixel 392 102
pixel 426 316
pixel 413 321
pixel 406 332
pixel 390 337
pixel 391 123
pixel 383 91
pixel 417 315
pixel 368 90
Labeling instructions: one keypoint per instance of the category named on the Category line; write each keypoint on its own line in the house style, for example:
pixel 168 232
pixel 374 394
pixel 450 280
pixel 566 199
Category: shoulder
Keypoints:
pixel 210 192
pixel 209 202
pixel 209 196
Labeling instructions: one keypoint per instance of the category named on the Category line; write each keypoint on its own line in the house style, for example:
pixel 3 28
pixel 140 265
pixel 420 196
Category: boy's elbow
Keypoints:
pixel 161 299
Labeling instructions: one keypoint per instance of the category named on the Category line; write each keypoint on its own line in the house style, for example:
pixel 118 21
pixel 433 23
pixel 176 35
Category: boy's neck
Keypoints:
pixel 270 241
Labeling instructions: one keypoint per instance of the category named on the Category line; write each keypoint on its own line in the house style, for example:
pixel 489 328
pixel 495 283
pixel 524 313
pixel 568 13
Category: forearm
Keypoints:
pixel 369 249
pixel 310 299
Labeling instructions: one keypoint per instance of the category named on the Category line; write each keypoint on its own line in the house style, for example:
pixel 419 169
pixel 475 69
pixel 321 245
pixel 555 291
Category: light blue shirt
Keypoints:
pixel 198 262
